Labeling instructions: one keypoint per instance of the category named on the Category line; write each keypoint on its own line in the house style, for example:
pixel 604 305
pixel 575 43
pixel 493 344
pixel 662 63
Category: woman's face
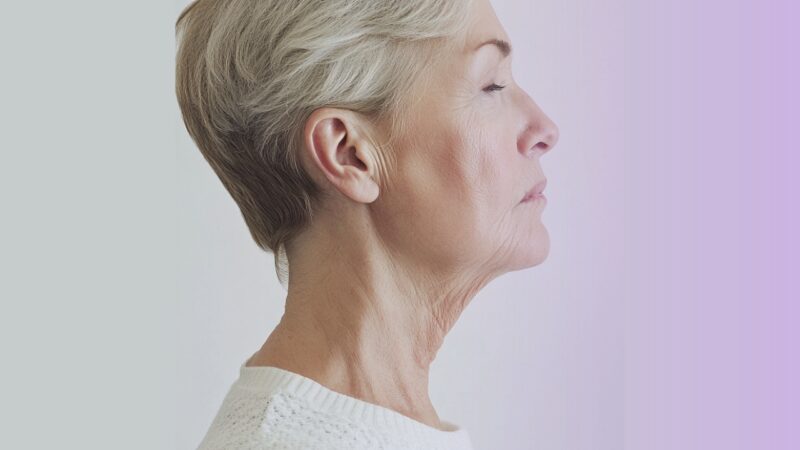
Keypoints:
pixel 470 155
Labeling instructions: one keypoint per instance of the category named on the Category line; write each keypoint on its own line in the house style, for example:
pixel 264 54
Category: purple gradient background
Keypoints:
pixel 679 145
pixel 711 135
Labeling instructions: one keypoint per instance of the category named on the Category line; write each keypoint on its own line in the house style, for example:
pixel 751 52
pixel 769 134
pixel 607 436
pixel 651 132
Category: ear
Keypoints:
pixel 337 151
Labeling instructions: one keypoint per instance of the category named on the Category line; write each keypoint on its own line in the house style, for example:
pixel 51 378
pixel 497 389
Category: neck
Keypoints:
pixel 364 325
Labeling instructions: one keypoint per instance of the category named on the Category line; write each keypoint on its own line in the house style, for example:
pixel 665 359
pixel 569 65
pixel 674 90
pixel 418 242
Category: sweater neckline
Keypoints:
pixel 274 379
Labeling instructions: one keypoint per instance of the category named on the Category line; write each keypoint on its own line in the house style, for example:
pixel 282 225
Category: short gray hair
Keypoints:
pixel 250 72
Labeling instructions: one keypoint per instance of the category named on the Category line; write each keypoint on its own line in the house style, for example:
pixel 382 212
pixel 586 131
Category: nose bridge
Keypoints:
pixel 540 132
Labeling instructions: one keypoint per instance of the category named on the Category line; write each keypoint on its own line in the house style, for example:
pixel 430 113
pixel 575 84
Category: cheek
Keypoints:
pixel 474 177
pixel 463 169
pixel 438 178
pixel 430 208
pixel 454 190
pixel 495 164
pixel 494 175
pixel 443 172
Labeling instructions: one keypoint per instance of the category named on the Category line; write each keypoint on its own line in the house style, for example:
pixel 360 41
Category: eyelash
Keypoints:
pixel 493 87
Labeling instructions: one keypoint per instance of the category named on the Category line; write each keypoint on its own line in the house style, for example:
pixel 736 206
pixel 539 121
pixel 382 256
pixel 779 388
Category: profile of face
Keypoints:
pixel 471 156
pixel 452 197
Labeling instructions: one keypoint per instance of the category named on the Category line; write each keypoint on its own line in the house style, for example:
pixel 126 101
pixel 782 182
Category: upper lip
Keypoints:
pixel 536 189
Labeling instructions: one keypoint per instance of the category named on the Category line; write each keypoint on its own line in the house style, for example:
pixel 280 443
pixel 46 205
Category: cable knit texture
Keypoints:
pixel 271 408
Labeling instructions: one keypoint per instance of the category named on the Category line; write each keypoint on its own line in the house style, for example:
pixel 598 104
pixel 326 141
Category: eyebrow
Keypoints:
pixel 503 46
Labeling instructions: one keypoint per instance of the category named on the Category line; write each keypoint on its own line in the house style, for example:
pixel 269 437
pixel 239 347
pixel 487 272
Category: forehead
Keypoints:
pixel 484 25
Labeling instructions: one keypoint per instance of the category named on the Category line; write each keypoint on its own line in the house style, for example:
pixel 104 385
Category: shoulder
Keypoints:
pixel 250 419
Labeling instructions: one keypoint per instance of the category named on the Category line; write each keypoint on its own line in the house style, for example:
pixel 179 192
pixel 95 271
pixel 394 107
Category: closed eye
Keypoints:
pixel 493 87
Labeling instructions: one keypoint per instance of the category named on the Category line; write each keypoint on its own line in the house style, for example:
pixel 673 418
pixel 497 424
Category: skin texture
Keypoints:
pixel 407 239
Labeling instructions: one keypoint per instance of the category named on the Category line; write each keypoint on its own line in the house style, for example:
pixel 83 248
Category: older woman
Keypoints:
pixel 383 152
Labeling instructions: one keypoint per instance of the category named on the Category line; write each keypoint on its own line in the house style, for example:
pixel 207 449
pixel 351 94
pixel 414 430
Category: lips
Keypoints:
pixel 536 190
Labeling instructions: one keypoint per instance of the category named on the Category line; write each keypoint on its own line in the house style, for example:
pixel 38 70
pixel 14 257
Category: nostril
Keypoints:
pixel 549 142
pixel 542 147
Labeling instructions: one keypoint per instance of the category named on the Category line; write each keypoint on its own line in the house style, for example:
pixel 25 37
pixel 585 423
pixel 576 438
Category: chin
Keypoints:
pixel 531 252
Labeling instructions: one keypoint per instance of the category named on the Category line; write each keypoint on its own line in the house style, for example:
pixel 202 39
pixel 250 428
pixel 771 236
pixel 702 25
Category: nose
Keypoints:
pixel 540 132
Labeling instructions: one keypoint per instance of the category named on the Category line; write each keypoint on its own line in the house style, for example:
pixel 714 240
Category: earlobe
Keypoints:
pixel 340 154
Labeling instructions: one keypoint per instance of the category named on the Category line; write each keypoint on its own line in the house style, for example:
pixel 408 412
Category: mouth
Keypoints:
pixel 535 192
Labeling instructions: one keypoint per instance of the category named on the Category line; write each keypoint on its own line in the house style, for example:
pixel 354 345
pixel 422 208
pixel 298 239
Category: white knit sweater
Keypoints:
pixel 270 408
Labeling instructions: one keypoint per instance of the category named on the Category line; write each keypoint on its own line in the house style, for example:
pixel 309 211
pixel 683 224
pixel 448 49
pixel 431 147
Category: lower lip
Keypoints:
pixel 539 198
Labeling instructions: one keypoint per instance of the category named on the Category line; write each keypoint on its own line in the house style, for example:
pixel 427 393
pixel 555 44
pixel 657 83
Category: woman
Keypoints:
pixel 382 151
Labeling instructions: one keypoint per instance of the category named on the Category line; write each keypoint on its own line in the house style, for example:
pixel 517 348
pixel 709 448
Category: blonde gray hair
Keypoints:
pixel 250 72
